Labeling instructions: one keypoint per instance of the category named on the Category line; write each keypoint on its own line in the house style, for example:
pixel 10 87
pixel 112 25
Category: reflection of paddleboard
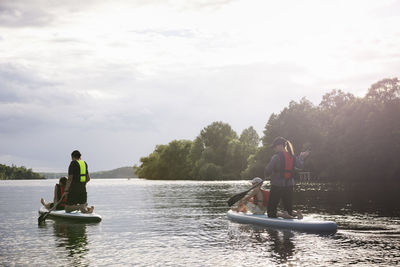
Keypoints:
pixel 75 215
pixel 304 225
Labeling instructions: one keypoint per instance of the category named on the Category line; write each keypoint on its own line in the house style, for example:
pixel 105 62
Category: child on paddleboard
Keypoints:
pixel 58 192
pixel 256 201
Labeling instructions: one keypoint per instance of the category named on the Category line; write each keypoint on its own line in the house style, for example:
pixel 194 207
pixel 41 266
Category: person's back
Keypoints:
pixel 78 176
pixel 77 186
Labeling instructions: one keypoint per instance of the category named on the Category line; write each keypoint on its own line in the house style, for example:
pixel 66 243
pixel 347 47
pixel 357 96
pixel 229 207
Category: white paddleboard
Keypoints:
pixel 304 225
pixel 75 215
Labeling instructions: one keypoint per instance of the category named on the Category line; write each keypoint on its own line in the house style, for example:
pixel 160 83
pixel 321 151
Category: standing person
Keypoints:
pixel 257 201
pixel 78 176
pixel 58 193
pixel 281 168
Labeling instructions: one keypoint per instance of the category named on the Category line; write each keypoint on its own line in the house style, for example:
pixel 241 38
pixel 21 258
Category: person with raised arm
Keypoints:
pixel 281 170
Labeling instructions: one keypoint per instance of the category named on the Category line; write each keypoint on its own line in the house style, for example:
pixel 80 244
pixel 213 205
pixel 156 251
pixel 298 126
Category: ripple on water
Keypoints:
pixel 180 223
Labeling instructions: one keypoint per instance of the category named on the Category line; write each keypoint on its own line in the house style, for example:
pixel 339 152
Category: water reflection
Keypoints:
pixel 278 245
pixel 71 236
pixel 282 244
pixel 184 223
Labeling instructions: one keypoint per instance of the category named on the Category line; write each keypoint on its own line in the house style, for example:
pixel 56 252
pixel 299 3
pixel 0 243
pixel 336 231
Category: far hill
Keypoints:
pixel 123 172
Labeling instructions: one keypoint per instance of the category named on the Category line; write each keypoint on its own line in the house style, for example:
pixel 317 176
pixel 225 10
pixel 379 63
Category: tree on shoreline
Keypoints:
pixel 352 138
pixel 217 153
pixel 17 173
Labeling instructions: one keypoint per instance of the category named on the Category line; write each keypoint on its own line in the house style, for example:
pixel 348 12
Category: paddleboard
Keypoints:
pixel 75 215
pixel 304 225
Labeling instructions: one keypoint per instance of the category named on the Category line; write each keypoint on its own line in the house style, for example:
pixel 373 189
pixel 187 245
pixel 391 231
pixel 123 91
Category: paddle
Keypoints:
pixel 43 216
pixel 239 196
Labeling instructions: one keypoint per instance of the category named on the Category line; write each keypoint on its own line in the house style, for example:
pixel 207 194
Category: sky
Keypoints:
pixel 114 79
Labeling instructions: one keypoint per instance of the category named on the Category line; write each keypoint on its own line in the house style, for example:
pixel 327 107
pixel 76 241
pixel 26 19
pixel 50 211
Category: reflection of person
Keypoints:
pixel 281 168
pixel 78 176
pixel 58 192
pixel 71 236
pixel 282 246
pixel 257 201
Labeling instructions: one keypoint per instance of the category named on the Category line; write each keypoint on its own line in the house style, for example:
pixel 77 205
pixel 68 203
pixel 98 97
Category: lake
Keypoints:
pixel 183 223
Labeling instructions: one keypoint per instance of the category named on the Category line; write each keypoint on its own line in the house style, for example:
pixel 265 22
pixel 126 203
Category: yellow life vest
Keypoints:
pixel 82 166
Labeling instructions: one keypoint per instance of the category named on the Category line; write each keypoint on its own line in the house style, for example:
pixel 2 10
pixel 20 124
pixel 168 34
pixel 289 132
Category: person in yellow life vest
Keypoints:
pixel 256 201
pixel 58 192
pixel 78 177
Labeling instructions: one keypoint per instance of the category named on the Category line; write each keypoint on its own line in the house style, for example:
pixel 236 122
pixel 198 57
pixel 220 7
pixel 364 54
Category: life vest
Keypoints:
pixel 60 192
pixel 265 194
pixel 83 173
pixel 287 165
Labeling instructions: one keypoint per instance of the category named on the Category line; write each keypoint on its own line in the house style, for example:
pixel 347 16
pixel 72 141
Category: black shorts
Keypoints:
pixel 76 198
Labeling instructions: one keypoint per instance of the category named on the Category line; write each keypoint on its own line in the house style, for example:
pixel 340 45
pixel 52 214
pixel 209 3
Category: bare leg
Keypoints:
pixel 69 208
pixel 46 205
pixel 241 208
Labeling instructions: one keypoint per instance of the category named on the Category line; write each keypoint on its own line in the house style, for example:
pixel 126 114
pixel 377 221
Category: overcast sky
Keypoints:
pixel 115 78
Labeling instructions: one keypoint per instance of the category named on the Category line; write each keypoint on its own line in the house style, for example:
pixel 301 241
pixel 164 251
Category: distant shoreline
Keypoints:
pixel 122 172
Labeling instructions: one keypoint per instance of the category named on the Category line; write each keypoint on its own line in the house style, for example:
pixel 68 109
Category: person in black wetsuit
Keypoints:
pixel 78 177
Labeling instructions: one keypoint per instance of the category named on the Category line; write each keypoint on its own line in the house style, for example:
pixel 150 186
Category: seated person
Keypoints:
pixel 256 201
pixel 58 192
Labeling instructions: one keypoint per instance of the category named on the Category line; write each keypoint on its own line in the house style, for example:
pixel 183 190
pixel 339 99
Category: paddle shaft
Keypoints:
pixel 239 196
pixel 44 215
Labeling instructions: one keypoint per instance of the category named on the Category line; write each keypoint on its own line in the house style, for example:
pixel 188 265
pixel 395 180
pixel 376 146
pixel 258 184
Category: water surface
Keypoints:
pixel 183 223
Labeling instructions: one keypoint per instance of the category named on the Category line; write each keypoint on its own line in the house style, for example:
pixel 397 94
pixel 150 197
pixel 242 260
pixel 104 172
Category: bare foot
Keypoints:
pixel 88 210
pixel 46 205
pixel 299 215
pixel 284 215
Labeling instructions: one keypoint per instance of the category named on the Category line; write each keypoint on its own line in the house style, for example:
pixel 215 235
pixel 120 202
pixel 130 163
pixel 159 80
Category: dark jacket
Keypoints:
pixel 273 171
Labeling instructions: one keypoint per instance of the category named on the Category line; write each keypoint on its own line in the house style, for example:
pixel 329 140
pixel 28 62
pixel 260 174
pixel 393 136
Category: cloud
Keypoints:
pixel 116 78
pixel 20 14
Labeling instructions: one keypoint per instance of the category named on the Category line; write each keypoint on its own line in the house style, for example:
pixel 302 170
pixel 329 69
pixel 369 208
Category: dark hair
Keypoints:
pixel 286 144
pixel 63 180
pixel 76 154
pixel 278 141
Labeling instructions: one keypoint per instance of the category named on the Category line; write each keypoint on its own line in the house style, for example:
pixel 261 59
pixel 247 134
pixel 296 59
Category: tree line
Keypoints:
pixel 122 172
pixel 17 173
pixel 351 138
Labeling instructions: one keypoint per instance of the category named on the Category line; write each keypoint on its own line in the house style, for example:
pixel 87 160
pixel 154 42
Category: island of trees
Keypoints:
pixel 17 173
pixel 352 138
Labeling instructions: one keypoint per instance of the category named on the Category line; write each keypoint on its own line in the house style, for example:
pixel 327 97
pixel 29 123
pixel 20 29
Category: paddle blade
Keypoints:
pixel 42 217
pixel 236 198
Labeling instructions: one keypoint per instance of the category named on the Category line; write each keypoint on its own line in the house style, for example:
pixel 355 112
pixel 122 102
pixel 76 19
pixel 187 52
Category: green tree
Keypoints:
pixel 351 138
pixel 169 162
pixel 384 91
pixel 17 173
pixel 239 151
